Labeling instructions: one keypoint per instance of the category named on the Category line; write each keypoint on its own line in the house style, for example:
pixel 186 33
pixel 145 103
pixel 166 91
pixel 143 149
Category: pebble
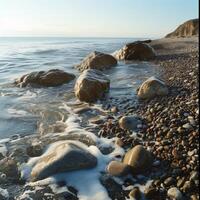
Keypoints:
pixel 175 194
pixel 169 181
pixel 135 194
pixel 187 126
pixel 116 168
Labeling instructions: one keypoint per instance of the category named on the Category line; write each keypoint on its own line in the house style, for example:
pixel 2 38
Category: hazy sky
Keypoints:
pixel 100 18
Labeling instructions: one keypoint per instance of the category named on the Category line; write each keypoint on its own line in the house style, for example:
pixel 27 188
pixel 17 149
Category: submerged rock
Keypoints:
pixel 53 77
pixel 129 122
pixel 136 51
pixel 151 88
pixel 63 157
pixel 116 168
pixel 91 85
pixel 97 60
pixel 139 159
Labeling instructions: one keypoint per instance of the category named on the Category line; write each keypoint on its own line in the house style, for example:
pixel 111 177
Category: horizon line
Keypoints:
pixel 37 36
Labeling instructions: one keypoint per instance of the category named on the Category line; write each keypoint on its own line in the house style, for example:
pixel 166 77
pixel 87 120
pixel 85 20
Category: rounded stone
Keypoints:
pixel 139 159
pixel 97 60
pixel 116 168
pixel 151 88
pixel 91 85
pixel 175 194
pixel 129 122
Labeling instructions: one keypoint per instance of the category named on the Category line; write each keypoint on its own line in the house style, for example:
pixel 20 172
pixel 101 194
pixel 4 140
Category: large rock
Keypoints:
pixel 139 159
pixel 54 77
pixel 187 29
pixel 97 60
pixel 151 88
pixel 136 51
pixel 63 157
pixel 91 85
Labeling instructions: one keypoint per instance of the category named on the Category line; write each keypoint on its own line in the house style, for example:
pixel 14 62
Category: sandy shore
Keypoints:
pixel 167 46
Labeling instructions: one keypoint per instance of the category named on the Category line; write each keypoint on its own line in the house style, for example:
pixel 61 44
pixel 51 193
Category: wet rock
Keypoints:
pixel 63 157
pixel 1 156
pixel 34 150
pixel 188 186
pixel 194 197
pixel 116 168
pixel 119 142
pixel 135 194
pixel 139 159
pixel 9 167
pixel 151 88
pixel 136 51
pixel 19 155
pixel 97 60
pixel 46 193
pixel 169 181
pixel 114 189
pixel 152 193
pixel 129 122
pixel 4 194
pixel 174 194
pixel 194 176
pixel 91 85
pixel 54 77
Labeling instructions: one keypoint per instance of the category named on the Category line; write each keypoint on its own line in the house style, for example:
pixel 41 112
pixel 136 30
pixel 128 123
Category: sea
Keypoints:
pixel 27 111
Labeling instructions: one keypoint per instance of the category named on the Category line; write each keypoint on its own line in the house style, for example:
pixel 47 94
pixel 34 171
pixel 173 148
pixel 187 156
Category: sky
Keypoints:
pixel 94 18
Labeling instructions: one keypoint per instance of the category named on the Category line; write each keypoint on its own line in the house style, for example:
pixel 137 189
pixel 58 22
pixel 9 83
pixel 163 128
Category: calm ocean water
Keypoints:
pixel 24 110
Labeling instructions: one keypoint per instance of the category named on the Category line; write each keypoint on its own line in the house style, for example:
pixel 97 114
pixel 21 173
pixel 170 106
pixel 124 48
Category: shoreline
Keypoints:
pixel 166 133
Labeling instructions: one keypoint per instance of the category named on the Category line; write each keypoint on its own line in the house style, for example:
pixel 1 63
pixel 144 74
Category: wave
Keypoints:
pixel 45 51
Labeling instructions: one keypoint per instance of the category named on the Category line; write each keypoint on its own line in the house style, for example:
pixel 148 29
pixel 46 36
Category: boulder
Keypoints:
pixel 63 157
pixel 139 159
pixel 91 85
pixel 53 77
pixel 187 29
pixel 116 168
pixel 130 122
pixel 136 51
pixel 151 88
pixel 97 60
